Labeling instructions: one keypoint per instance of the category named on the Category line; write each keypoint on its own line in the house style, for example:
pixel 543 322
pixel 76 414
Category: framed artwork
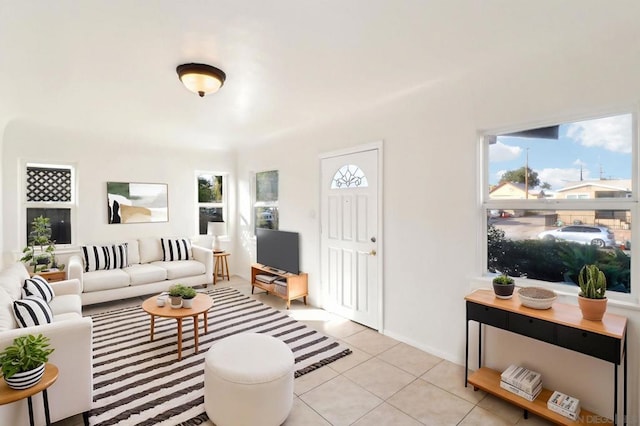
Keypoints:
pixel 137 202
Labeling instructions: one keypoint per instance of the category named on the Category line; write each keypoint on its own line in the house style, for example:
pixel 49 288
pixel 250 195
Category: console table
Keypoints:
pixel 563 326
pixel 293 286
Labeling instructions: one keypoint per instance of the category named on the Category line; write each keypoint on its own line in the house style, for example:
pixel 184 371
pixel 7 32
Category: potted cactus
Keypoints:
pixel 188 294
pixel 503 286
pixel 592 299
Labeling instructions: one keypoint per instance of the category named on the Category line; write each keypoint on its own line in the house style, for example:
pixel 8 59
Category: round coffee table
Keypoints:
pixel 201 305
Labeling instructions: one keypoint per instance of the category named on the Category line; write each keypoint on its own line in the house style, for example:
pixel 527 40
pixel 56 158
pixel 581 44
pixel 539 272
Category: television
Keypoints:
pixel 278 250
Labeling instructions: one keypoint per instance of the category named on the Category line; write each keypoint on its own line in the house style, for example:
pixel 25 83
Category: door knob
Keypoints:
pixel 373 252
pixel 373 239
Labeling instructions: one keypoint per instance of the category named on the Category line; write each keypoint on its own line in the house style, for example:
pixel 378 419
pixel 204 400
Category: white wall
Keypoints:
pixel 431 204
pixel 99 159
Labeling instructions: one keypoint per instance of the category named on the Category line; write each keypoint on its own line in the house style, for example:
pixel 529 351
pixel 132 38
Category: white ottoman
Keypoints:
pixel 248 380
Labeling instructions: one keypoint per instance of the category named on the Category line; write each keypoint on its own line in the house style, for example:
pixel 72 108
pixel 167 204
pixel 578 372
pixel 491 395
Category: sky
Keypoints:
pixel 601 146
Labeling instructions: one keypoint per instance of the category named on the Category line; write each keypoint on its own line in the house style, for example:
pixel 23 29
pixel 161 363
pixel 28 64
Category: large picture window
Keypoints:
pixel 559 197
pixel 49 192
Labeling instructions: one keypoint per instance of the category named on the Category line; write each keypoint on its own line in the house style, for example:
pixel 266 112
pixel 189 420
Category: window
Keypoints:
pixel 49 192
pixel 211 200
pixel 266 205
pixel 349 176
pixel 560 197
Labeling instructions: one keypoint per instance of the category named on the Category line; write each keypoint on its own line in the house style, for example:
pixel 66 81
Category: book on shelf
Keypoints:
pixel 565 405
pixel 280 282
pixel 266 278
pixel 526 395
pixel 521 377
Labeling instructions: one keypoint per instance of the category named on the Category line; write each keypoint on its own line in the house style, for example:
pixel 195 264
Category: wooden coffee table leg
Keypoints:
pixel 195 332
pixel 206 322
pixel 179 338
pixel 152 326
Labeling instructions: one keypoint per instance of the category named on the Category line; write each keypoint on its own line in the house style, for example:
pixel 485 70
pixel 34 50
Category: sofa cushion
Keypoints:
pixel 133 252
pixel 7 317
pixel 39 287
pixel 66 317
pixel 150 249
pixel 32 311
pixel 145 273
pixel 66 303
pixel 176 249
pixel 12 278
pixel 181 269
pixel 105 280
pixel 112 256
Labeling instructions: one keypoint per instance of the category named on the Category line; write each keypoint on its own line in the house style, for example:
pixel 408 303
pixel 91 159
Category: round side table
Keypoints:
pixel 8 395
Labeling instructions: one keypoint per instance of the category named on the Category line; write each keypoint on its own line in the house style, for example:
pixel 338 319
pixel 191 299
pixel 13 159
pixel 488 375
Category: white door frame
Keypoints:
pixel 377 145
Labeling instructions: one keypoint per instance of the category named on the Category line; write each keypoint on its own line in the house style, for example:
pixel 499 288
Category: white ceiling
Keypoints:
pixel 109 66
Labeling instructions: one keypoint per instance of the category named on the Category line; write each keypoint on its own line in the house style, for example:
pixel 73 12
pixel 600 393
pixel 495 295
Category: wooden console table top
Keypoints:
pixel 559 313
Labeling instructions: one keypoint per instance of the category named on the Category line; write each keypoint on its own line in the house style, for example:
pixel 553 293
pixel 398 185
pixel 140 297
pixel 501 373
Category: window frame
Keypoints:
pixel 71 205
pixel 485 203
pixel 223 204
pixel 264 204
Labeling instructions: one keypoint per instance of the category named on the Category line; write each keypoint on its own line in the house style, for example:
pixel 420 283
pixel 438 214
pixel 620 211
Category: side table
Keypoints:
pixel 221 266
pixel 8 395
pixel 51 276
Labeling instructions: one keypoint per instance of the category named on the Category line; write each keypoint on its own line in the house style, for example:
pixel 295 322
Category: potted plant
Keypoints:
pixel 23 362
pixel 503 286
pixel 188 294
pixel 175 295
pixel 40 236
pixel 592 299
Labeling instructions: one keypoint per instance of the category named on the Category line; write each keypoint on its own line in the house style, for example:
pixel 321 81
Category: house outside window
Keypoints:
pixel 49 191
pixel 559 197
pixel 266 204
pixel 211 199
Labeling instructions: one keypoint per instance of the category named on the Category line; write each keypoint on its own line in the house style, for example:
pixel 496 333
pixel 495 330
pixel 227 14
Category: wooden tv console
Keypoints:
pixel 295 288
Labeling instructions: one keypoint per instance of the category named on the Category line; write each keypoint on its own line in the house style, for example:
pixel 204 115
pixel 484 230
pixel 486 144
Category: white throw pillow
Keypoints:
pixel 105 257
pixel 176 249
pixel 32 311
pixel 38 287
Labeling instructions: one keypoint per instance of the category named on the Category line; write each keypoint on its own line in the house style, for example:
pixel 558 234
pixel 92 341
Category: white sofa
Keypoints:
pixel 70 336
pixel 146 273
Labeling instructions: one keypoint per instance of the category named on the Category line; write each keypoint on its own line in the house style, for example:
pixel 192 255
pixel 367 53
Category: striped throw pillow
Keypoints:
pixel 178 249
pixel 39 287
pixel 105 257
pixel 32 311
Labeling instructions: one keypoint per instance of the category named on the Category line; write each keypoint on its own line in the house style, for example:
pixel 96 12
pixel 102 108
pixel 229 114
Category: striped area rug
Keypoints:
pixel 138 382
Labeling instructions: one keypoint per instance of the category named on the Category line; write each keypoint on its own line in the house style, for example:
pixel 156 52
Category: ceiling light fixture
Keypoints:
pixel 200 78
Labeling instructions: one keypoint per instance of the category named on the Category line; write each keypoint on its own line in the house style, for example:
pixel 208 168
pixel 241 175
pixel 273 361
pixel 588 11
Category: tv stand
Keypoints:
pixel 286 286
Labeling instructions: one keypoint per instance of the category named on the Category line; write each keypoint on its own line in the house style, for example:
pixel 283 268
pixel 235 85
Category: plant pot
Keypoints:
pixel 175 302
pixel 592 309
pixel 503 291
pixel 187 303
pixel 26 379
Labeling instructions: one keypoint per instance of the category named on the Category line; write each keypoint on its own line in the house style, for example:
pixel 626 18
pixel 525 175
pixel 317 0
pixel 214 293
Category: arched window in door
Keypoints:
pixel 349 176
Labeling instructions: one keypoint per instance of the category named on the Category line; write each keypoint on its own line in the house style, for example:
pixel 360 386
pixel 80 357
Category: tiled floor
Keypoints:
pixel 383 382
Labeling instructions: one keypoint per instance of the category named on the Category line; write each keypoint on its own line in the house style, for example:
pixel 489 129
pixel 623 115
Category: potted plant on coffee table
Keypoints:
pixel 592 299
pixel 503 286
pixel 22 363
pixel 175 295
pixel 188 294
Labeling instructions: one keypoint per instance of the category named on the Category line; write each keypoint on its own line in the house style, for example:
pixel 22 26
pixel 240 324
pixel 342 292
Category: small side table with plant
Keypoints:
pixel 26 372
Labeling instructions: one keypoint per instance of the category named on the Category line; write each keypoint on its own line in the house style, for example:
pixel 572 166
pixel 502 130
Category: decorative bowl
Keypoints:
pixel 536 297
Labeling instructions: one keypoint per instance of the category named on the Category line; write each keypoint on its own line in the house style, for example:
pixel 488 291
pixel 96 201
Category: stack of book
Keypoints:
pixel 565 405
pixel 521 381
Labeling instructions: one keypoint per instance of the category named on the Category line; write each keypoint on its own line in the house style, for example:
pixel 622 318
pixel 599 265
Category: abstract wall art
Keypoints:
pixel 137 202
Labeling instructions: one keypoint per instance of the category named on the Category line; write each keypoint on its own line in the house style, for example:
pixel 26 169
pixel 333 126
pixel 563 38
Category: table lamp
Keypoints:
pixel 216 229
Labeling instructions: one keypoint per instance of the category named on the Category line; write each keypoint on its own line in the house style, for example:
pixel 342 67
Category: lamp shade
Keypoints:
pixel 201 78
pixel 216 228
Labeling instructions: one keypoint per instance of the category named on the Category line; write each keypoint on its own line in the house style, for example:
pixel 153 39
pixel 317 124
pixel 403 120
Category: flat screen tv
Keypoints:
pixel 278 249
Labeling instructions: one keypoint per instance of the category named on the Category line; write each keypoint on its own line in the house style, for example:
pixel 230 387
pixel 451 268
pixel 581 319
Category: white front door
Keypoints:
pixel 350 244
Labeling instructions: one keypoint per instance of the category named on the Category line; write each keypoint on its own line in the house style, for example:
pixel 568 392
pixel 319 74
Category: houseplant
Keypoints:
pixel 503 286
pixel 23 362
pixel 188 294
pixel 40 251
pixel 175 295
pixel 593 286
